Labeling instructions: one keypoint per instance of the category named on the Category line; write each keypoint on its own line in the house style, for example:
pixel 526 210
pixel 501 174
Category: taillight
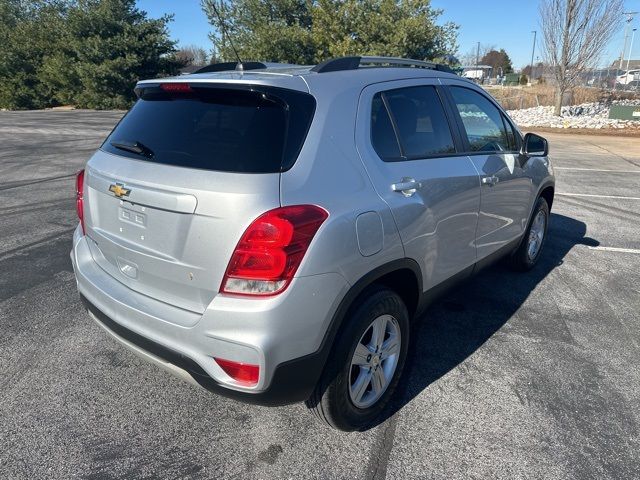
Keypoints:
pixel 271 250
pixel 80 197
pixel 243 373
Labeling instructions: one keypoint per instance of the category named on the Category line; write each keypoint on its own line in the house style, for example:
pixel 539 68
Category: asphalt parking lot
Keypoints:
pixel 512 376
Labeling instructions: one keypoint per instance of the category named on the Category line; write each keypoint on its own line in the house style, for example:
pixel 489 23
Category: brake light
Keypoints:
pixel 80 197
pixel 176 87
pixel 243 373
pixel 271 250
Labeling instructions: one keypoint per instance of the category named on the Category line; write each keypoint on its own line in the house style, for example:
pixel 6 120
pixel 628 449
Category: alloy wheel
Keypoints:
pixel 374 361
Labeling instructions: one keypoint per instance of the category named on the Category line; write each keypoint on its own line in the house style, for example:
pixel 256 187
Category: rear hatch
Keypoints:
pixel 174 186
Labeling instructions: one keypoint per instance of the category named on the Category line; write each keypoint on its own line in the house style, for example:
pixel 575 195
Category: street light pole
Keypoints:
pixel 626 35
pixel 633 36
pixel 533 51
pixel 624 46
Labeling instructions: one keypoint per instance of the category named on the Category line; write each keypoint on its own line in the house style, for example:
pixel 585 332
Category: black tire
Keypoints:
pixel 331 400
pixel 521 260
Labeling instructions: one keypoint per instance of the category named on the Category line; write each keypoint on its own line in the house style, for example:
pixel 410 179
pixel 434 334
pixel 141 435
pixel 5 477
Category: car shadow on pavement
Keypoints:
pixel 455 326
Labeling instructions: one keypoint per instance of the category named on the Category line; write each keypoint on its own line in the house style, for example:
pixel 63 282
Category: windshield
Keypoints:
pixel 247 130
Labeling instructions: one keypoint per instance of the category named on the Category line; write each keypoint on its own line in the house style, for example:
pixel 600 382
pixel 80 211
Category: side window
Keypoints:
pixel 417 117
pixel 512 136
pixel 383 136
pixel 482 121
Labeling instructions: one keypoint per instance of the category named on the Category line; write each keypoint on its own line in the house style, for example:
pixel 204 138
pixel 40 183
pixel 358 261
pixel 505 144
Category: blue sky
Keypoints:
pixel 504 23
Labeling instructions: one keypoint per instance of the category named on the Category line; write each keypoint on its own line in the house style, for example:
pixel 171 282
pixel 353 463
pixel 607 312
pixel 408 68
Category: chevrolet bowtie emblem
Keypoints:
pixel 119 191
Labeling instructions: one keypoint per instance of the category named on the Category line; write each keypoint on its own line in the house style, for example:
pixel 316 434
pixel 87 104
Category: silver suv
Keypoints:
pixel 269 232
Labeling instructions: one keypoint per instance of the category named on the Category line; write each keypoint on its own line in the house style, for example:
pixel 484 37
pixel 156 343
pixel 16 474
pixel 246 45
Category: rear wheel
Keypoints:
pixel 365 364
pixel 528 253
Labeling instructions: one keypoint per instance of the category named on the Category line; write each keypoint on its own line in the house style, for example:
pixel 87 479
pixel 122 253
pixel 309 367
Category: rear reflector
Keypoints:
pixel 271 250
pixel 80 197
pixel 243 373
pixel 176 87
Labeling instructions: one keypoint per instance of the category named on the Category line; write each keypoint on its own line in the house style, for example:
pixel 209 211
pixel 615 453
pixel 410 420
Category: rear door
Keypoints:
pixel 493 145
pixel 405 139
pixel 180 178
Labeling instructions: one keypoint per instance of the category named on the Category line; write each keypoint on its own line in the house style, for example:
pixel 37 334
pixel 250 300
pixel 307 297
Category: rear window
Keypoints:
pixel 245 130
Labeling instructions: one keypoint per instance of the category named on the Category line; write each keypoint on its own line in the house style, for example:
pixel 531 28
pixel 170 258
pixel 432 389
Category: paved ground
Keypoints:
pixel 512 376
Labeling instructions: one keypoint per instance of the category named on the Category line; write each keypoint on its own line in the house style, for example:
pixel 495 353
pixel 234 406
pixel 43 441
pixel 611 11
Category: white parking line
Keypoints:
pixel 596 196
pixel 615 249
pixel 596 170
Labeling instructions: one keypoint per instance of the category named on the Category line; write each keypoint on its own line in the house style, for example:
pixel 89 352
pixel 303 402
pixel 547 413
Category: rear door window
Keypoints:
pixel 416 117
pixel 223 129
pixel 383 137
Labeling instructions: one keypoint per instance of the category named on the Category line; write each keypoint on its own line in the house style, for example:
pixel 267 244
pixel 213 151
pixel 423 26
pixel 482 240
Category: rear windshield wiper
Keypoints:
pixel 135 147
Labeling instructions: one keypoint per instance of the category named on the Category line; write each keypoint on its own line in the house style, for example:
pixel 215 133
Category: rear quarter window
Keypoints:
pixel 245 130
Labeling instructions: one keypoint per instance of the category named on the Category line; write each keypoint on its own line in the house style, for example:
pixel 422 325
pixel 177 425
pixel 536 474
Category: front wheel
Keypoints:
pixel 528 253
pixel 365 363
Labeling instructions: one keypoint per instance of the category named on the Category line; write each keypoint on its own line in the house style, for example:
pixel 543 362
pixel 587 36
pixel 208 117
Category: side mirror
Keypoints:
pixel 534 146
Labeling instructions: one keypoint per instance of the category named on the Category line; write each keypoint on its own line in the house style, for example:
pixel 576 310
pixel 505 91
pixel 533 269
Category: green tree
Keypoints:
pixel 88 53
pixel 107 46
pixel 277 30
pixel 498 59
pixel 309 31
pixel 28 32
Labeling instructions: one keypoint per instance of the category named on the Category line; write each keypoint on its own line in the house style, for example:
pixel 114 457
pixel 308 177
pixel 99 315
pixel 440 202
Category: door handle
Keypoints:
pixel 491 181
pixel 407 186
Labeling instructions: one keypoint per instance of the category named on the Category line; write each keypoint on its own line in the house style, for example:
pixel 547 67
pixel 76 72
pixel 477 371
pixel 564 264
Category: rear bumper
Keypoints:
pixel 292 381
pixel 283 334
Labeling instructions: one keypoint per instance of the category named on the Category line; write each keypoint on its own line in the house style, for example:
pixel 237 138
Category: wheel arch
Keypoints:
pixel 403 276
pixel 547 192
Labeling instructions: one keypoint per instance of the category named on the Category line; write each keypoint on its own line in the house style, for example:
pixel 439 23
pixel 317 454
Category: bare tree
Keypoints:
pixel 575 34
pixel 473 55
pixel 192 55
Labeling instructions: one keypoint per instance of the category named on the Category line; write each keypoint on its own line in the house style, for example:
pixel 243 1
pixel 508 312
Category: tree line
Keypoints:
pixel 88 53
pixel 310 31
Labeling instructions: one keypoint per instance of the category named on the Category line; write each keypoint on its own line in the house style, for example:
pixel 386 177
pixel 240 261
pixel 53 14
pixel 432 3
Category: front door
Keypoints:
pixel 405 139
pixel 493 146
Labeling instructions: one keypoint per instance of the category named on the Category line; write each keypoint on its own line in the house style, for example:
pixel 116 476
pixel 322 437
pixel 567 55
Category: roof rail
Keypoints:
pixel 353 63
pixel 227 66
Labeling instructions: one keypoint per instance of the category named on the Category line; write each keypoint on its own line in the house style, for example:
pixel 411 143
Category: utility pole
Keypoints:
pixel 478 56
pixel 533 51
pixel 626 35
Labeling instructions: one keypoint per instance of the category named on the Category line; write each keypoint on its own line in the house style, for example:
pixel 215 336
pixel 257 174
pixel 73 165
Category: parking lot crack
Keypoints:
pixel 379 459
pixel 615 154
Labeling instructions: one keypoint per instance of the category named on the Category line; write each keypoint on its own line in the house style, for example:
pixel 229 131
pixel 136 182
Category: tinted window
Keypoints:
pixel 419 120
pixel 232 130
pixel 512 136
pixel 482 121
pixel 383 137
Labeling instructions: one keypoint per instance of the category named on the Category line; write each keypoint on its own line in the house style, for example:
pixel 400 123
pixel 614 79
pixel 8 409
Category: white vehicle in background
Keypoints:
pixel 473 74
pixel 477 73
pixel 628 76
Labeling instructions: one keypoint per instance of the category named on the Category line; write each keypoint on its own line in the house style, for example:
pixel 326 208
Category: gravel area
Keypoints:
pixel 587 115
